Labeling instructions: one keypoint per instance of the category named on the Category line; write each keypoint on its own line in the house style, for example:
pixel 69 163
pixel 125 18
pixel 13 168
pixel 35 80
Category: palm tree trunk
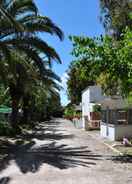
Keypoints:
pixel 14 114
pixel 15 97
pixel 26 108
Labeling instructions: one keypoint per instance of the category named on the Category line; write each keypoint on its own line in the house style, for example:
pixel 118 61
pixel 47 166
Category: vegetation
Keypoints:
pixel 5 128
pixel 71 112
pixel 103 61
pixel 25 68
pixel 116 15
pixel 97 108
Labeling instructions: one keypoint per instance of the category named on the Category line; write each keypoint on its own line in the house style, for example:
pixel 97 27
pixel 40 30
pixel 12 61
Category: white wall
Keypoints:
pixel 103 130
pixel 78 123
pixel 90 96
pixel 107 132
pixel 85 103
pixel 95 94
pixel 116 132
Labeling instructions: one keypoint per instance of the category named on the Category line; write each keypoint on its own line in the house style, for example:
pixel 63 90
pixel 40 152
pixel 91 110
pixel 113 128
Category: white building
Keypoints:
pixel 116 121
pixel 90 96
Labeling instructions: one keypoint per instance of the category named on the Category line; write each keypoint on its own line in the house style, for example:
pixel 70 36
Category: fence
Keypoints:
pixel 117 116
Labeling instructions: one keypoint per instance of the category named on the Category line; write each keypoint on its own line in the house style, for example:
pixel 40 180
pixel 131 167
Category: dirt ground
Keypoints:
pixel 58 153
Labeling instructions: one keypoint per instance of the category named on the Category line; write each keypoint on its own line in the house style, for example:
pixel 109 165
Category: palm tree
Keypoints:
pixel 7 16
pixel 42 95
pixel 25 41
pixel 26 82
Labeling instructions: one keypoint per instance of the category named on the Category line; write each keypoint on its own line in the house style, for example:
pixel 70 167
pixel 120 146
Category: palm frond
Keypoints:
pixel 41 24
pixel 49 74
pixel 12 21
pixel 17 7
pixel 35 43
pixel 5 51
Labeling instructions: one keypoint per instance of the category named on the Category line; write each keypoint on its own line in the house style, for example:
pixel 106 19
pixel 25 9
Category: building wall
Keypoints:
pixel 107 132
pixel 95 94
pixel 116 132
pixel 78 123
pixel 90 96
pixel 85 103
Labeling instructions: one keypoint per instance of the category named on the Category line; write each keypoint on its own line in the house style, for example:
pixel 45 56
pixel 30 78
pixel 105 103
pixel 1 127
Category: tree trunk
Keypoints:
pixel 15 96
pixel 26 109
pixel 14 114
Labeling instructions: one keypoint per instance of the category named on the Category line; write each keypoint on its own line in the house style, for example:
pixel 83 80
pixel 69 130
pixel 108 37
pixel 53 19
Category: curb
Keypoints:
pixel 113 149
pixel 109 146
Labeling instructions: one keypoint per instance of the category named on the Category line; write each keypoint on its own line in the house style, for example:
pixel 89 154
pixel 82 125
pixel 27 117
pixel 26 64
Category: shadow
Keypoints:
pixel 4 180
pixel 46 131
pixel 122 159
pixel 47 136
pixel 29 157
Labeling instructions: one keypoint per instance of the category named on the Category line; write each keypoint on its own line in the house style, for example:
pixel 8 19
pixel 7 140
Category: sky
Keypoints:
pixel 74 17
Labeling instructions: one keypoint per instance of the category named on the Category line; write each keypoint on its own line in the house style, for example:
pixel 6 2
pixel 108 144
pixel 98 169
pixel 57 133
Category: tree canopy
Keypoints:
pixel 103 61
pixel 116 15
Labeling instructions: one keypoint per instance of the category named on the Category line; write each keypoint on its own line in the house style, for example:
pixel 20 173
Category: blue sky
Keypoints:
pixel 74 17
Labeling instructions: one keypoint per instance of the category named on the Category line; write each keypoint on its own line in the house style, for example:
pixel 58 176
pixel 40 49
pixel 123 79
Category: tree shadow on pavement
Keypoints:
pixel 46 131
pixel 29 157
pixel 4 180
pixel 122 159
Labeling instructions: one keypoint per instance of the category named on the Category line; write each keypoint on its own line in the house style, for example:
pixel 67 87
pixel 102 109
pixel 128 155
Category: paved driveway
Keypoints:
pixel 57 153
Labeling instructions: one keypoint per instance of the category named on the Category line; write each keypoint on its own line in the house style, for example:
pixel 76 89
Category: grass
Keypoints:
pixel 125 150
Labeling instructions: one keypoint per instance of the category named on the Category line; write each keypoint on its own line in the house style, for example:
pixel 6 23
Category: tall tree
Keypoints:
pixel 101 61
pixel 26 41
pixel 79 78
pixel 116 15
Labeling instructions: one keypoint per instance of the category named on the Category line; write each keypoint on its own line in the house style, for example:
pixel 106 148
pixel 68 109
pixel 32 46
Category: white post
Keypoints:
pixel 107 121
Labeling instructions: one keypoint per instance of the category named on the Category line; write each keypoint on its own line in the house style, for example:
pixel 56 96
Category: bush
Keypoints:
pixel 97 108
pixel 5 129
pixel 69 111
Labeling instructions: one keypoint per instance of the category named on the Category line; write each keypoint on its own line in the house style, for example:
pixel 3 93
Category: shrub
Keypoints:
pixel 5 129
pixel 97 108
